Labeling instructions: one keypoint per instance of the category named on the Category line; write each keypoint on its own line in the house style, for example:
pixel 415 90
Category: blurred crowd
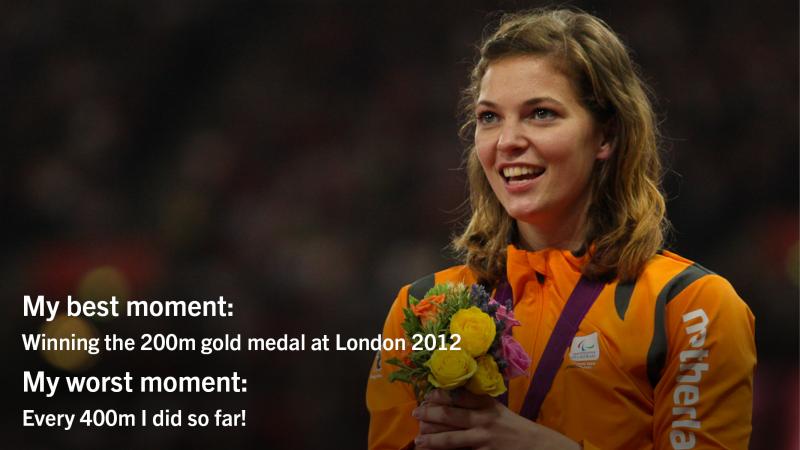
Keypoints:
pixel 302 160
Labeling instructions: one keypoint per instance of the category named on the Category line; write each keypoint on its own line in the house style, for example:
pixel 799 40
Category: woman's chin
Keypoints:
pixel 530 215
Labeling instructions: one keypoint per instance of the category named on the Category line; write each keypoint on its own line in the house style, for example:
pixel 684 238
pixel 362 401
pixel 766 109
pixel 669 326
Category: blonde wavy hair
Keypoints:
pixel 626 218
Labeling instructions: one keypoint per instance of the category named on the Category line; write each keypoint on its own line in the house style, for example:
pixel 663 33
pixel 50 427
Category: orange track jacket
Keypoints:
pixel 673 365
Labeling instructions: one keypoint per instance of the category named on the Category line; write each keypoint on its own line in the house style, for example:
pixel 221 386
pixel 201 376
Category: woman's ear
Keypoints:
pixel 608 142
pixel 606 150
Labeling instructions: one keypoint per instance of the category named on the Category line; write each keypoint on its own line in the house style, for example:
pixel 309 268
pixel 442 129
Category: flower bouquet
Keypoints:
pixel 460 336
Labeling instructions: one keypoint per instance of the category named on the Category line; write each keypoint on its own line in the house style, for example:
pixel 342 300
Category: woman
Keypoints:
pixel 564 186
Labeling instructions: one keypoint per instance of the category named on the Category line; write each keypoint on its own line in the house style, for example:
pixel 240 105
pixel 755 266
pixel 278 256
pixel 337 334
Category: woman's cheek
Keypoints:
pixel 485 156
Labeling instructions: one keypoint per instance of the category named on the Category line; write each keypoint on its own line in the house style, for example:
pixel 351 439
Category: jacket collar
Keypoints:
pixel 558 265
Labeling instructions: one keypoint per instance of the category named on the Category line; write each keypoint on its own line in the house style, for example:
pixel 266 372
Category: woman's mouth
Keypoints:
pixel 520 174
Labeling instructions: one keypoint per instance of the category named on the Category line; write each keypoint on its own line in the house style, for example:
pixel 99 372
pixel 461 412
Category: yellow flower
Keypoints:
pixel 450 368
pixel 487 379
pixel 476 329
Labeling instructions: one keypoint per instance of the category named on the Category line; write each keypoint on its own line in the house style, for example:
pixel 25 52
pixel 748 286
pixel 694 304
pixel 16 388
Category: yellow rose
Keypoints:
pixel 487 379
pixel 476 329
pixel 450 368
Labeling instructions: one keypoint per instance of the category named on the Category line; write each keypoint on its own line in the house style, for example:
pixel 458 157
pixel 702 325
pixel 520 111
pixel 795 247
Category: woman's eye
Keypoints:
pixel 543 114
pixel 487 117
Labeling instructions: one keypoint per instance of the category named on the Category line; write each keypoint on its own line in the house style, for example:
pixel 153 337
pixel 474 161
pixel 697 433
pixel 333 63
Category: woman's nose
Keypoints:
pixel 511 138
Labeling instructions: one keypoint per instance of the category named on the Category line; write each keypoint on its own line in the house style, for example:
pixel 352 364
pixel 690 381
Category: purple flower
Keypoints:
pixel 515 356
pixel 505 316
pixel 480 297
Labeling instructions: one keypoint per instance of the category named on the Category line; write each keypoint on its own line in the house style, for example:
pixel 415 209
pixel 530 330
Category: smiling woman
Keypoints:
pixel 633 346
pixel 526 103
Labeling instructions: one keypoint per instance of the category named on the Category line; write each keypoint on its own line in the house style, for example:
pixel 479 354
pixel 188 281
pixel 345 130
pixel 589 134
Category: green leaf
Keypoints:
pixel 441 288
pixel 400 375
pixel 411 324
pixel 395 362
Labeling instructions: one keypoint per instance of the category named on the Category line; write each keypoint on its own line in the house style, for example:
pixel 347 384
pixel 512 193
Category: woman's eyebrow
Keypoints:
pixel 537 100
pixel 529 102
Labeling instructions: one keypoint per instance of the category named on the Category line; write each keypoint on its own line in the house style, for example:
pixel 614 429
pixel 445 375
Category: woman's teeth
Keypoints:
pixel 521 173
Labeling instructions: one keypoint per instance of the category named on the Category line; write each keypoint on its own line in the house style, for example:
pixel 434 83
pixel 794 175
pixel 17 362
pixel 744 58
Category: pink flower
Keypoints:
pixel 517 359
pixel 505 316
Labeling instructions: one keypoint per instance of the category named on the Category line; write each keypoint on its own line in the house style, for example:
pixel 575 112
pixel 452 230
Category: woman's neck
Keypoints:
pixel 568 232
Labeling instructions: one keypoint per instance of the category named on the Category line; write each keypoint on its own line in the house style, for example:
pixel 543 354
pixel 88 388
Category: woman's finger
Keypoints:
pixel 430 427
pixel 451 439
pixel 447 415
pixel 460 397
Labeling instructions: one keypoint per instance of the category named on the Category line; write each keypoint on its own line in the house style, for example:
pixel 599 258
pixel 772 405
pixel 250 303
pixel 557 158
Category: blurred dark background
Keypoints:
pixel 300 158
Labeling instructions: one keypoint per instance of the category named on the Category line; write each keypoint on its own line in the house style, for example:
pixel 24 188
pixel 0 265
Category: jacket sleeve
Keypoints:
pixel 704 398
pixel 390 404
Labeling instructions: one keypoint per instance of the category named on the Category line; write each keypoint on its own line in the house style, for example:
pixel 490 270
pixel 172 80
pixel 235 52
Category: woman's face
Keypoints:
pixel 536 142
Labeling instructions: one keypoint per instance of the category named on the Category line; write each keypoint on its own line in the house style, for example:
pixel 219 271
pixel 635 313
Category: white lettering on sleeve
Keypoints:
pixel 680 440
pixel 686 394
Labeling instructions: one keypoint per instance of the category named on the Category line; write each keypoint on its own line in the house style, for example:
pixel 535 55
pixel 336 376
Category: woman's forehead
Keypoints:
pixel 517 78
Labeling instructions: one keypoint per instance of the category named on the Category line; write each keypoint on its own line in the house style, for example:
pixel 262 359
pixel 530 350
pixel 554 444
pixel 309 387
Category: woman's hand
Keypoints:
pixel 458 419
